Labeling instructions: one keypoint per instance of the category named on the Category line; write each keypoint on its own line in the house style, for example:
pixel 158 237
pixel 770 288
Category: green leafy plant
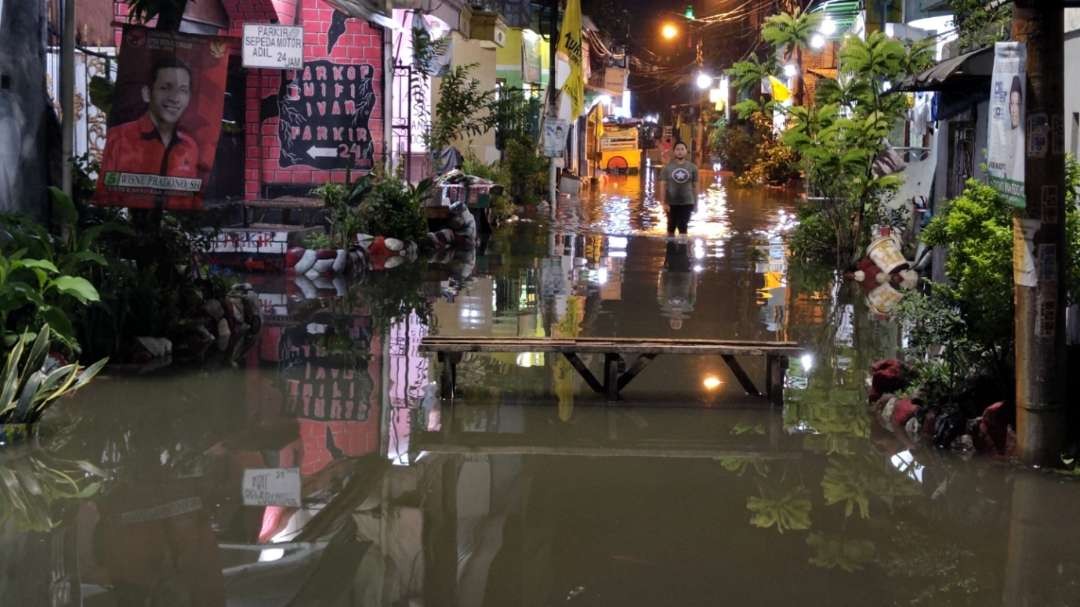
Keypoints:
pixel 317 241
pixel 791 33
pixel 28 390
pixel 35 483
pixel 33 293
pixel 979 23
pixel 393 208
pixel 464 109
pixel 528 172
pixel 839 138
pixel 787 512
pixel 497 173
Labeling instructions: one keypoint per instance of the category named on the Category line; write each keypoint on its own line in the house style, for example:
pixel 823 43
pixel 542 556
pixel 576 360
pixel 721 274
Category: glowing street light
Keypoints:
pixel 711 383
pixel 817 41
pixel 790 70
pixel 828 26
pixel 704 81
pixel 669 31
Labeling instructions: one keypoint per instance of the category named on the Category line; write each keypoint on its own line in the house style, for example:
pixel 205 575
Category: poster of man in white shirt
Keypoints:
pixel 1006 137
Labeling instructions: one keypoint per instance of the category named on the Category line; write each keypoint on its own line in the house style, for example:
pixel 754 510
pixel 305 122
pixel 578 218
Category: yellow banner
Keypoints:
pixel 569 51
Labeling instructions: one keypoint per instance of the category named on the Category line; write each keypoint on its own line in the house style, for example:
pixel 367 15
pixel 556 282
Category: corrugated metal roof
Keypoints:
pixel 956 72
pixel 843 12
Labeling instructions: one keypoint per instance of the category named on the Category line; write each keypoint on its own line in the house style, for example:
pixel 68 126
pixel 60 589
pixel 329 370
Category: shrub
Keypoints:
pixel 734 145
pixel 393 208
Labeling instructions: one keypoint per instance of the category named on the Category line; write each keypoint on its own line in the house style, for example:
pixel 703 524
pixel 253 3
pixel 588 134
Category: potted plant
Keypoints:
pixel 29 387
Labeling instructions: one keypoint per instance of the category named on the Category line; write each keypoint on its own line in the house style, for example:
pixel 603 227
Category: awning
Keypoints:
pixel 961 72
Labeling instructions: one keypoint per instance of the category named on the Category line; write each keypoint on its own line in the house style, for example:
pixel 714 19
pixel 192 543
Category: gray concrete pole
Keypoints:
pixel 1040 310
pixel 67 98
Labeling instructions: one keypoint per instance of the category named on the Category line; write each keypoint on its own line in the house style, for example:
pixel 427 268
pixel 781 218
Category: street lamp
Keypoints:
pixel 817 42
pixel 790 70
pixel 669 31
pixel 704 81
pixel 828 26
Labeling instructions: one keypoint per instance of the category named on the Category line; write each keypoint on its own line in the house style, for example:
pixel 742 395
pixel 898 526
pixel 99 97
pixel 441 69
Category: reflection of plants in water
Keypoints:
pixel 787 512
pixel 740 465
pixel 840 421
pixel 393 295
pixel 34 486
pixel 838 552
pixel 852 481
pixel 743 428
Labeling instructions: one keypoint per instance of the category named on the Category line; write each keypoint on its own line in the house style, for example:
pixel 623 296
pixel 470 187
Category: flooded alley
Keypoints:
pixel 326 470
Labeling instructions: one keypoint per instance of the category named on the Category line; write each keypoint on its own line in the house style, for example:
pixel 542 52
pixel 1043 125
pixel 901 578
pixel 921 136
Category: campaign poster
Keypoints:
pixel 165 120
pixel 1005 139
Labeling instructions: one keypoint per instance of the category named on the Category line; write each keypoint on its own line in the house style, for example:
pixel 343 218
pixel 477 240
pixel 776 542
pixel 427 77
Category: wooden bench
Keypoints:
pixel 617 374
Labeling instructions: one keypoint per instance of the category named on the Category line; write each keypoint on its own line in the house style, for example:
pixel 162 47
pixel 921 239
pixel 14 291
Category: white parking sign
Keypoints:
pixel 273 46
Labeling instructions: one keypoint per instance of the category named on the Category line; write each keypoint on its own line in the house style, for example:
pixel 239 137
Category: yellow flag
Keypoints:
pixel 780 92
pixel 569 51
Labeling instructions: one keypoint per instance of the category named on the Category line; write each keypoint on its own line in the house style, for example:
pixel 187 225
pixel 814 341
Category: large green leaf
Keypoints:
pixel 77 287
pixel 63 207
pixel 59 322
pixel 36 264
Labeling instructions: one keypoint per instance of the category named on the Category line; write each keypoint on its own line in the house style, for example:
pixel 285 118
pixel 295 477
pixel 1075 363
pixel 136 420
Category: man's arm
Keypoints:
pixel 661 187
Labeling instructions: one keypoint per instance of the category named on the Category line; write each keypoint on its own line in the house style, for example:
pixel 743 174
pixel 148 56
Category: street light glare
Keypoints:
pixel 828 26
pixel 669 31
pixel 790 70
pixel 817 41
pixel 704 81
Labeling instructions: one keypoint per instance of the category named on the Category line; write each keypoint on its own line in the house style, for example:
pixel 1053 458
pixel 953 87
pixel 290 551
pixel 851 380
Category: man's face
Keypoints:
pixel 680 151
pixel 169 95
pixel 1014 108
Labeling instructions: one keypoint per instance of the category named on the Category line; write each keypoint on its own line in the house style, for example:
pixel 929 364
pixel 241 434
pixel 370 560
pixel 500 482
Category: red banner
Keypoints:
pixel 165 120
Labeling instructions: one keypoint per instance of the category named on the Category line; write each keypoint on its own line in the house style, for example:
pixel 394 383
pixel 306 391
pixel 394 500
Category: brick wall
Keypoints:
pixel 360 44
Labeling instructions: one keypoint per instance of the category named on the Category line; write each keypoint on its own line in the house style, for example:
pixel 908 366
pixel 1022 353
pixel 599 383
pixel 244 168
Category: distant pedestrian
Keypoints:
pixel 678 191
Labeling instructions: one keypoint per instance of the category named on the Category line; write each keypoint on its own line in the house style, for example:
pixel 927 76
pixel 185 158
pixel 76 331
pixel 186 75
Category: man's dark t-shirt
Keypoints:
pixel 680 182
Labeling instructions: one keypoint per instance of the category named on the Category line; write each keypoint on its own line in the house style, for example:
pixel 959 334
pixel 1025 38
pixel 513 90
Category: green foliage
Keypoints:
pixel 34 293
pixel 341 201
pixel 977 228
pixel 464 109
pixel 746 76
pixel 501 206
pixel 393 207
pixel 839 552
pixel 839 138
pixel 528 172
pixel 787 512
pixel 1072 227
pixel 318 241
pixel 517 118
pixel 733 144
pixel 392 296
pixel 28 389
pixel 791 31
pixel 814 240
pixel 980 23
pixel 34 484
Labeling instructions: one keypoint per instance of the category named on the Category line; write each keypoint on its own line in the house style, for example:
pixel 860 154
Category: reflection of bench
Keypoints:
pixel 616 373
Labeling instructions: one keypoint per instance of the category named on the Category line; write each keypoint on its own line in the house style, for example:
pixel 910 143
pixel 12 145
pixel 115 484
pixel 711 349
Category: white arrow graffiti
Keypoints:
pixel 317 152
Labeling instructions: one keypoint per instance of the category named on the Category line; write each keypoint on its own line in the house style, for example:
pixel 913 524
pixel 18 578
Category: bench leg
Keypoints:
pixel 612 364
pixel 636 368
pixel 776 370
pixel 448 375
pixel 740 375
pixel 584 372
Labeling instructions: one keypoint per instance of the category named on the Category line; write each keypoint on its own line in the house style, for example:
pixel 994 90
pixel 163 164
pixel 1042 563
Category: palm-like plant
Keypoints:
pixel 28 390
pixel 747 75
pixel 792 32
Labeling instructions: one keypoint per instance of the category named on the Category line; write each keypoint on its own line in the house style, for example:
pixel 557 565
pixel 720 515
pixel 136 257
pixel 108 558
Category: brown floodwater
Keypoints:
pixel 323 469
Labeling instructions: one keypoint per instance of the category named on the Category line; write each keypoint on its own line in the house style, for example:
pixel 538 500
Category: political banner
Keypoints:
pixel 165 120
pixel 1006 134
pixel 555 131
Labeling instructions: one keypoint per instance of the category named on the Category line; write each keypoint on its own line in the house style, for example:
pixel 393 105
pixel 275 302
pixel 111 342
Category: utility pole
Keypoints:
pixel 553 96
pixel 67 98
pixel 1040 310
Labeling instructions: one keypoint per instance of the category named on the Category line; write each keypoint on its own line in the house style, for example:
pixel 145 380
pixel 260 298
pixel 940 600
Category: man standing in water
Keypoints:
pixel 679 180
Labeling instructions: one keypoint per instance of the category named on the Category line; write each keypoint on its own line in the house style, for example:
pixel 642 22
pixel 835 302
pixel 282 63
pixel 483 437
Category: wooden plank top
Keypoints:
pixel 602 345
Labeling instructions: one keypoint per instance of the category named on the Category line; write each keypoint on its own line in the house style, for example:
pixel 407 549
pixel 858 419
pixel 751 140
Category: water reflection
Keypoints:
pixel 326 471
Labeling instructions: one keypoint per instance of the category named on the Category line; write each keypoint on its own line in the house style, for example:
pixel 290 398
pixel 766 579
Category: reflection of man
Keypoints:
pixel 677 288
pixel 154 144
pixel 1016 117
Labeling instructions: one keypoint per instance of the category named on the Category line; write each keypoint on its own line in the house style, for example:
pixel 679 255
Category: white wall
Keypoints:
pixel 1072 80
